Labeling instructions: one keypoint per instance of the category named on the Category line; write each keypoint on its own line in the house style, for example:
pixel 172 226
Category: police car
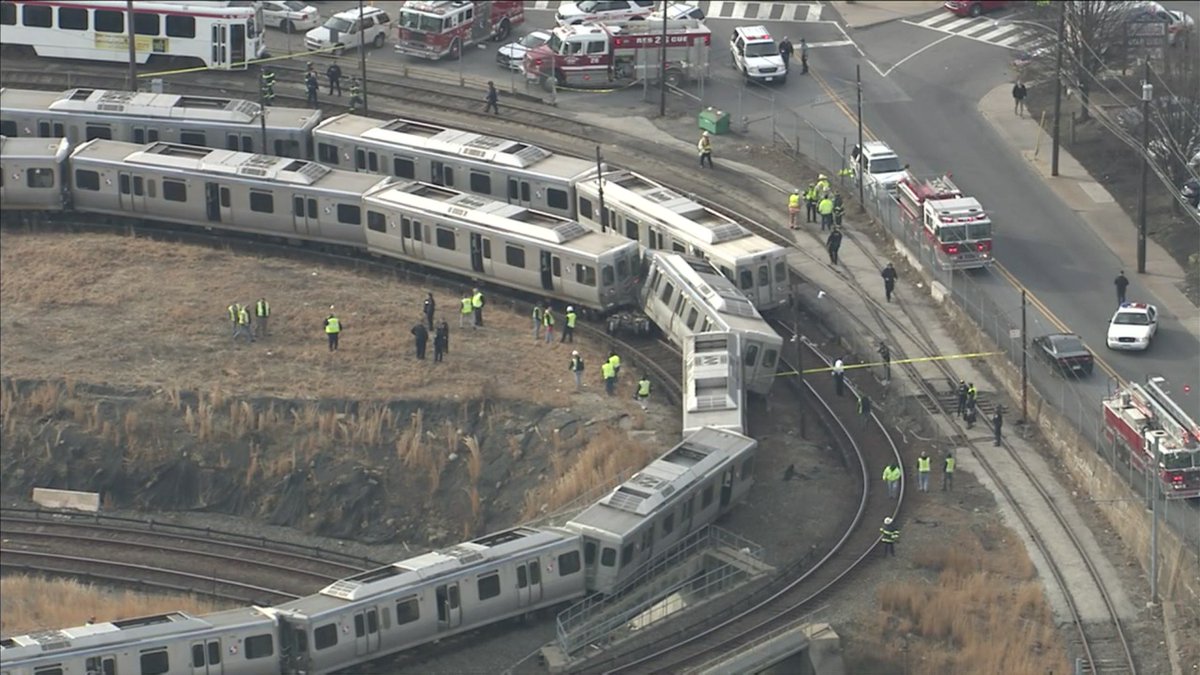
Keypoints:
pixel 755 53
pixel 607 11
pixel 1133 326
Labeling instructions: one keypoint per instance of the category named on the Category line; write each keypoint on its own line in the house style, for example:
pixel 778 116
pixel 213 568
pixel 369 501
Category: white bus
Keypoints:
pixel 220 34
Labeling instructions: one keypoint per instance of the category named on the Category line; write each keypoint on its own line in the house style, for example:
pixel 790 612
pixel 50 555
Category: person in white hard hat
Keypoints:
pixel 705 149
pixel 889 535
pixel 568 334
pixel 576 367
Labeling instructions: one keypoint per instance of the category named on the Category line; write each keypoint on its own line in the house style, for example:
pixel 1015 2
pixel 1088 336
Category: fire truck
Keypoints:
pixel 602 55
pixel 435 29
pixel 1137 418
pixel 937 214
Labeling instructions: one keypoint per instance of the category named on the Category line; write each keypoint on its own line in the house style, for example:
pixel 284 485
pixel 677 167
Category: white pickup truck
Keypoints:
pixel 880 167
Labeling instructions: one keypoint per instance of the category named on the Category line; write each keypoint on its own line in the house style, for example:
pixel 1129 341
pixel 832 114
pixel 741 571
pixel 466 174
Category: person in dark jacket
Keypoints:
pixel 833 243
pixel 443 329
pixel 421 337
pixel 1018 93
pixel 997 424
pixel 889 281
pixel 441 341
pixel 493 99
pixel 334 73
pixel 429 308
pixel 785 51
pixel 1121 283
pixel 312 86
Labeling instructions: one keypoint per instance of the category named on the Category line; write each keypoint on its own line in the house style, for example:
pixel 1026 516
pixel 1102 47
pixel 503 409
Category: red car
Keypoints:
pixel 974 7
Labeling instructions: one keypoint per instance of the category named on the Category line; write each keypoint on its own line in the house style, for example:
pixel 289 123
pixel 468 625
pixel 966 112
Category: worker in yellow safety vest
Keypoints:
pixel 923 469
pixel 793 207
pixel 467 310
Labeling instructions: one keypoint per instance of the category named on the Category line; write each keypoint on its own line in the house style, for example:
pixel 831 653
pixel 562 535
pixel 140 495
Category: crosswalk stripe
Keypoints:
pixel 728 9
pixel 950 27
pixel 739 9
pixel 814 13
pixel 937 19
pixel 991 37
pixel 1010 40
pixel 978 28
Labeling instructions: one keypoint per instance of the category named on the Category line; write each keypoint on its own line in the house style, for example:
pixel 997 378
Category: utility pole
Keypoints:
pixel 662 66
pixel 600 191
pixel 266 94
pixel 362 61
pixel 1024 361
pixel 1147 95
pixel 858 168
pixel 1062 21
pixel 1154 527
pixel 132 45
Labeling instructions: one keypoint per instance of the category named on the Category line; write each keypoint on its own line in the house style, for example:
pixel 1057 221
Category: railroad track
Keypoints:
pixel 795 589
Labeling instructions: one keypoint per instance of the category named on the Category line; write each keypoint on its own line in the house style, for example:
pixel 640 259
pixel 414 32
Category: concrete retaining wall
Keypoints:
pixel 67 499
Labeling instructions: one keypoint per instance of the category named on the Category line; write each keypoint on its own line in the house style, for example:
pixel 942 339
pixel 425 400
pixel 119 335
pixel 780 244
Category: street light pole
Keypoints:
pixel 1062 21
pixel 1147 94
pixel 1154 527
pixel 1024 361
pixel 858 168
pixel 362 60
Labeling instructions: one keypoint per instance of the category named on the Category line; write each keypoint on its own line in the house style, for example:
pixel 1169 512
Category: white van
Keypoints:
pixel 754 52
pixel 350 30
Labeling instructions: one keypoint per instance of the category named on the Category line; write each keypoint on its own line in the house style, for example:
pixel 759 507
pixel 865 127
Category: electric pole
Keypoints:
pixel 1147 95
pixel 266 94
pixel 858 164
pixel 662 66
pixel 362 60
pixel 1024 360
pixel 600 192
pixel 1062 21
pixel 132 45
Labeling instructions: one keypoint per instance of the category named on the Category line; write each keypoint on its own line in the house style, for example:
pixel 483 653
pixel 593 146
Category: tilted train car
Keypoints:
pixel 429 597
pixel 499 168
pixel 664 220
pixel 32 175
pixel 518 247
pixel 142 117
pixel 712 383
pixel 257 194
pixel 686 295
pixel 687 488
pixel 233 642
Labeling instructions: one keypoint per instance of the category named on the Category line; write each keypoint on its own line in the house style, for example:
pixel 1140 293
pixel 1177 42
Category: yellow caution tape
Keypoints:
pixel 921 359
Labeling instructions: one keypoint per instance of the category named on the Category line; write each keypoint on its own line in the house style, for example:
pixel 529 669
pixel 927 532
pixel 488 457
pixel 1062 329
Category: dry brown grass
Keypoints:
pixel 982 614
pixel 59 291
pixel 609 455
pixel 29 604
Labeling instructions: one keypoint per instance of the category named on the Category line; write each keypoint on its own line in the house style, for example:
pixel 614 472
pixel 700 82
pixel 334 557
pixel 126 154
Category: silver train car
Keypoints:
pixel 664 220
pixel 541 253
pixel 712 383
pixel 687 488
pixel 683 296
pixel 234 642
pixel 257 194
pixel 142 117
pixel 429 597
pixel 33 175
pixel 502 169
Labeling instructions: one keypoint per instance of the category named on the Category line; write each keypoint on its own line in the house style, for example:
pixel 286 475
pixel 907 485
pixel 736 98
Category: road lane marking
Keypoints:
pixel 928 46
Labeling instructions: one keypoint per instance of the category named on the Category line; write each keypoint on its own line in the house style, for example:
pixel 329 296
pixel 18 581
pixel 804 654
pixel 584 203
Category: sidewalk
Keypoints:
pixel 860 15
pixel 1082 194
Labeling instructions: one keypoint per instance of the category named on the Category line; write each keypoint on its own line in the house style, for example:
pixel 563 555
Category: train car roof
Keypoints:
pixel 414 572
pixel 511 219
pixel 635 500
pixel 217 161
pixel 697 277
pixel 182 107
pixel 108 633
pixel 713 381
pixel 402 133
pixel 34 148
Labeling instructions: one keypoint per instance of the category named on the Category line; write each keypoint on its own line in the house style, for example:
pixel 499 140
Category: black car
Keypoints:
pixel 1065 351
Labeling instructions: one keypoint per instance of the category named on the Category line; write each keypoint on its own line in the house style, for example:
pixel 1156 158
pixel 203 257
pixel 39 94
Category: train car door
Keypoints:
pixel 132 191
pixel 145 135
pixel 519 192
pixel 438 172
pixel 726 487
pixel 293 647
pixel 591 557
pixel 529 583
pixel 762 288
pixel 551 266
pixel 206 658
pixel 220 46
pixel 410 236
pixel 366 631
pixel 102 665
pixel 304 215
pixel 481 253
pixel 49 129
pixel 237 45
pixel 449 609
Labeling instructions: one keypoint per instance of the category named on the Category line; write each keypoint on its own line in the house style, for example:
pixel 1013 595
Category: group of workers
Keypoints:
pixel 819 200
pixel 249 322
pixel 544 321
pixel 610 371
pixel 312 85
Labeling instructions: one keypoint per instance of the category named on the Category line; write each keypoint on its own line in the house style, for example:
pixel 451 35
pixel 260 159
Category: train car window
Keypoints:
pixel 283 147
pixel 405 228
pixel 376 221
pixel 568 563
pixel 687 508
pixel 8 128
pixel 123 184
pixel 174 191
pixel 262 202
pixel 535 570
pixel 87 180
pixel 623 268
pixel 193 138
pixel 781 273
pixel 372 621
pixel 764 275
pixel 489 586
pixel 301 640
pixel 556 199
pixel 327 153
pixel 37 16
pixel 8 14
pixel 312 208
pixel 746 279
pixel 667 293
pixel 360 627
pixel 373 162
pixel 728 273
pixel 39 178
pixel 151 189
pixel 626 555
pixel 72 18
pixel 214 652
pixel 444 238
pixel 225 197
pixel 448 177
pixel 108 21
pixel 231 141
pixel 325 636
pixel 481 183
pixel 589 553
pixel 181 26
pixel 139 186
pixel 487 248
pixel 198 656
pixel 607 276
pixel 407 611
pixel 585 274
pixel 648 538
pixel 260 646
pixel 155 662
pixel 403 167
pixel 47 670
pixel 514 256
pixel 631 229
pixel 525 191
pixel 693 317
pixel 769 357
pixel 678 247
pixel 608 557
pixel 747 468
pixel 349 214
pixel 679 305
pixel 751 355
pixel 145 23
pixel 97 131
pixel 522 577
pixel 669 524
pixel 556 266
pixel 360 158
pixel 298 207
pixel 585 208
pixel 707 497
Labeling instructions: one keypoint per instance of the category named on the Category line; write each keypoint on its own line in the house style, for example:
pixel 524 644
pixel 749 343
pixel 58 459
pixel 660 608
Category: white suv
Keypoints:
pixel 756 55
pixel 880 166
pixel 608 11
pixel 347 30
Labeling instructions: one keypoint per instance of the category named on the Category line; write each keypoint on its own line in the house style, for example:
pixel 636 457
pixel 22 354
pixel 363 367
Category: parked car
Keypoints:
pixel 290 15
pixel 756 54
pixel 608 11
pixel 347 30
pixel 678 12
pixel 512 55
pixel 974 7
pixel 1065 352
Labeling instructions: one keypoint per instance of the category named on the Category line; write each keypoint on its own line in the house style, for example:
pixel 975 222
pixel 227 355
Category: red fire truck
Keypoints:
pixel 944 220
pixel 1139 417
pixel 600 55
pixel 439 28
